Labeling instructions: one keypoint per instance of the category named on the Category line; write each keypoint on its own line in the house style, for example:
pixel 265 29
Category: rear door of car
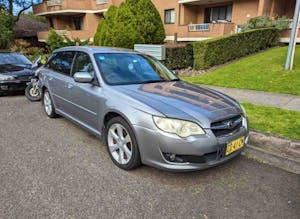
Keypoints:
pixel 58 77
pixel 86 98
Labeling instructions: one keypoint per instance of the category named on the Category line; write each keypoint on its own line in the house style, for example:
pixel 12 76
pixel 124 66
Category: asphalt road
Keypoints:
pixel 50 168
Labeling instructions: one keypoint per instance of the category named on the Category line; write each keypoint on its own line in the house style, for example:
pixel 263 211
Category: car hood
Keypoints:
pixel 183 100
pixel 15 70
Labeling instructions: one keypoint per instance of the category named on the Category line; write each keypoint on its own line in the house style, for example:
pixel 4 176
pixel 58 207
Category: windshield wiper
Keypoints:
pixel 151 81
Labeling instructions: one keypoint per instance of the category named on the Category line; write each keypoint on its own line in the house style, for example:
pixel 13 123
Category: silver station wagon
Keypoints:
pixel 142 111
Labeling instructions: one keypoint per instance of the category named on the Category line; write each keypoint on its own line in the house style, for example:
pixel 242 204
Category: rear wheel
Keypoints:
pixel 121 144
pixel 48 105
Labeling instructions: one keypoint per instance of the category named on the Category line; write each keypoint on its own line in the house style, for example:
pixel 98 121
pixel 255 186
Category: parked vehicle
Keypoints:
pixel 15 71
pixel 33 89
pixel 143 112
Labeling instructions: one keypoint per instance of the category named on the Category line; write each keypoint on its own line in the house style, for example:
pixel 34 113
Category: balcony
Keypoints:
pixel 193 32
pixel 72 34
pixel 65 7
pixel 200 2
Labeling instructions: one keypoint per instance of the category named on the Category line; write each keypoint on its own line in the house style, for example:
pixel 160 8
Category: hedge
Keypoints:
pixel 220 50
pixel 179 57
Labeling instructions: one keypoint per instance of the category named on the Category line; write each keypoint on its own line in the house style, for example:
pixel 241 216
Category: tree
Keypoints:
pixel 6 27
pixel 134 21
pixel 21 5
pixel 149 21
pixel 125 32
pixel 105 27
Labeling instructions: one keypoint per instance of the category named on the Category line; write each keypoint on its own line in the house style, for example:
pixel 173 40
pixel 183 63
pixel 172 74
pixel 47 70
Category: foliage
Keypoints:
pixel 17 7
pixel 26 49
pixel 148 21
pixel 263 71
pixel 7 29
pixel 75 42
pixel 56 41
pixel 105 27
pixel 285 123
pixel 125 32
pixel 281 23
pixel 220 50
pixel 134 21
pixel 179 57
pixel 35 17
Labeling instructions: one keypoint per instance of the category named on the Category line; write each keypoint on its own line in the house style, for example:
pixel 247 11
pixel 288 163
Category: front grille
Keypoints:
pixel 227 126
pixel 24 78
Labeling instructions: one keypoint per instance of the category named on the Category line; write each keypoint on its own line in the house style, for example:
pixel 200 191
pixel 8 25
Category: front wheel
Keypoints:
pixel 121 144
pixel 32 94
pixel 48 105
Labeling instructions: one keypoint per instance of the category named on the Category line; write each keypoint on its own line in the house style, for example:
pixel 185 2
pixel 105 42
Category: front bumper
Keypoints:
pixel 13 85
pixel 201 152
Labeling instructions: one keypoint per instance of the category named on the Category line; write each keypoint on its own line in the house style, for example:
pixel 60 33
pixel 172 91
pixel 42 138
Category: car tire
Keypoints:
pixel 48 104
pixel 30 95
pixel 122 144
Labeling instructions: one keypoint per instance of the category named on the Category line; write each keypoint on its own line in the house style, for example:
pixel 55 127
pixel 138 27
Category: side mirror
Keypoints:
pixel 83 77
pixel 37 62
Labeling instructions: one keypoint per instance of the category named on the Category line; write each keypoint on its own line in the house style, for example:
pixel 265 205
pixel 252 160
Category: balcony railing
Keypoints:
pixel 99 2
pixel 198 27
pixel 55 2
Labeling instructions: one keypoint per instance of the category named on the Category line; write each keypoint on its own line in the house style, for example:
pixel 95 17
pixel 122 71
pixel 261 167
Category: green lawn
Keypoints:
pixel 263 71
pixel 285 123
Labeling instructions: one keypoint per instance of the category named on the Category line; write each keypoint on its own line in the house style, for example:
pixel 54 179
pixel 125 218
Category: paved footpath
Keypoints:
pixel 284 101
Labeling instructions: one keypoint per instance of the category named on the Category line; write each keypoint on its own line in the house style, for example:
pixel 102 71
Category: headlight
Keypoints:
pixel 6 77
pixel 179 127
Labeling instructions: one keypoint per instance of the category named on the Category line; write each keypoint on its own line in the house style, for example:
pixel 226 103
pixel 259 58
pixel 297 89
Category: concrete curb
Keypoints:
pixel 280 152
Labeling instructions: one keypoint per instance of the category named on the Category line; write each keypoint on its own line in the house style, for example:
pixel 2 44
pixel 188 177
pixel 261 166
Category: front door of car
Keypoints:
pixel 58 76
pixel 86 98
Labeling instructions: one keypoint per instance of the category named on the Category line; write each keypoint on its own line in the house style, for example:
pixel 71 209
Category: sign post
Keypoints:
pixel 291 52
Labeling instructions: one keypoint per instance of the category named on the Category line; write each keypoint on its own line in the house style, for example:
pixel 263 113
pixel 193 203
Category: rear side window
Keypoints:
pixel 62 62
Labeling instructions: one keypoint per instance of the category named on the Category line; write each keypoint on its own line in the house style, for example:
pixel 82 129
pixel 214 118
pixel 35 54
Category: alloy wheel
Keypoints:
pixel 119 143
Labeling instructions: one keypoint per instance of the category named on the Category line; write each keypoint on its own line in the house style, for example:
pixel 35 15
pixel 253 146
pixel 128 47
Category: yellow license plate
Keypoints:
pixel 235 145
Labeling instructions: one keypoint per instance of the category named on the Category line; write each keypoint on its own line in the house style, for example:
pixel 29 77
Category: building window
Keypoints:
pixel 77 22
pixel 218 14
pixel 170 16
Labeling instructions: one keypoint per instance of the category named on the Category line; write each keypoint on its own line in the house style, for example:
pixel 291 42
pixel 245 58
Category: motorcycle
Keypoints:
pixel 33 89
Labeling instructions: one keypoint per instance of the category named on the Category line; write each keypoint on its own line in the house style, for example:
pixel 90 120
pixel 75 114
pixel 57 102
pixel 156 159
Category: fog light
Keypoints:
pixel 4 87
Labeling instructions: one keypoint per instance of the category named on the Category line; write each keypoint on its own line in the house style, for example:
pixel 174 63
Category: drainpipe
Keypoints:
pixel 292 44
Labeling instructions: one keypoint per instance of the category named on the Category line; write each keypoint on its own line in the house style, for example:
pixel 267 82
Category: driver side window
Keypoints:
pixel 83 63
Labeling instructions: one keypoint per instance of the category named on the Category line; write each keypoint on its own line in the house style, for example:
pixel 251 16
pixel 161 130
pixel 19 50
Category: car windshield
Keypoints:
pixel 13 59
pixel 127 68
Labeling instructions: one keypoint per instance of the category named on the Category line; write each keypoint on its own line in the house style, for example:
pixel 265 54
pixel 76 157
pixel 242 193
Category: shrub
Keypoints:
pixel 26 49
pixel 134 21
pixel 7 29
pixel 179 57
pixel 56 41
pixel 219 50
pixel 266 22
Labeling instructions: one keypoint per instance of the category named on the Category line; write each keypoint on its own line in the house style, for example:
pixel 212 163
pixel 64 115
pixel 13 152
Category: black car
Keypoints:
pixel 15 71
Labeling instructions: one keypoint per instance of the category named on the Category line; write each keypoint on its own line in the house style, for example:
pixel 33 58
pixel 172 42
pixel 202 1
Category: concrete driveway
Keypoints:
pixel 50 168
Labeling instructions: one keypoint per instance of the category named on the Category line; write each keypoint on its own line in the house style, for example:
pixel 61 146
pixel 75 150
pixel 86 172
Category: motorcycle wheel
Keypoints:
pixel 31 94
